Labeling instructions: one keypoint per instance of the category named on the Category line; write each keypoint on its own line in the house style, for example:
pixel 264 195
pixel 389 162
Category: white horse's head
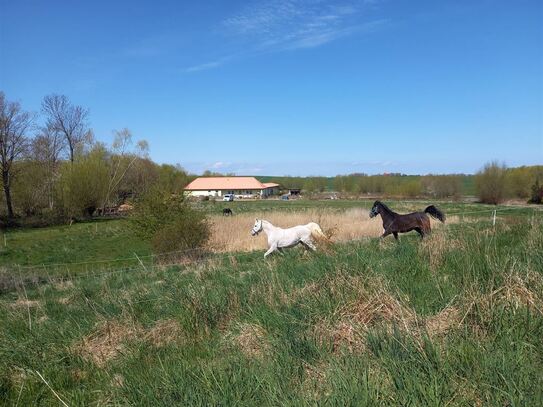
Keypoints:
pixel 257 228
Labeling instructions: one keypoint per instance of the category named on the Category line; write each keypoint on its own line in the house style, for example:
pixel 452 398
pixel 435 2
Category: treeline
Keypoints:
pixel 440 186
pixel 53 169
pixel 492 184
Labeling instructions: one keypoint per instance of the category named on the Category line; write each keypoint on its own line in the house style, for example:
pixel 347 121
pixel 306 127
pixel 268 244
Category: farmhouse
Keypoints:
pixel 240 187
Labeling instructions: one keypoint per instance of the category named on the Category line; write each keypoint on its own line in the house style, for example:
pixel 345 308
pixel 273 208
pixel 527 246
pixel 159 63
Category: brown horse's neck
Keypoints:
pixel 387 214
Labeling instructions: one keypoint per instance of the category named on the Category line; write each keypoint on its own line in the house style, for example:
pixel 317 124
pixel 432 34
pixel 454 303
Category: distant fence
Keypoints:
pixel 17 276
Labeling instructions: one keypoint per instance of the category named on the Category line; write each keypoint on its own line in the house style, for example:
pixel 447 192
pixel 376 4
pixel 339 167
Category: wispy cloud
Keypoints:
pixel 205 66
pixel 293 24
pixel 286 25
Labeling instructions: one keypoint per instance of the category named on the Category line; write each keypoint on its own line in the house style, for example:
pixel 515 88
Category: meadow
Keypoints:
pixel 456 319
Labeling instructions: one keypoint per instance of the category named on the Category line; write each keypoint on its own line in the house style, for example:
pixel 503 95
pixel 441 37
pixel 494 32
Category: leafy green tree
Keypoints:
pixel 83 184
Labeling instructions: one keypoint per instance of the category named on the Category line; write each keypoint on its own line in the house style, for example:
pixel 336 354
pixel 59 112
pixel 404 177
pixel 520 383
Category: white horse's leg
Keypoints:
pixel 309 244
pixel 270 250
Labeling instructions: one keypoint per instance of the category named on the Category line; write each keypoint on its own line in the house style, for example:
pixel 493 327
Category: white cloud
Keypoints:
pixel 291 24
pixel 203 67
pixel 285 25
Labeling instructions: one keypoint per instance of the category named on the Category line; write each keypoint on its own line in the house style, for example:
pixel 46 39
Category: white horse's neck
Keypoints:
pixel 267 226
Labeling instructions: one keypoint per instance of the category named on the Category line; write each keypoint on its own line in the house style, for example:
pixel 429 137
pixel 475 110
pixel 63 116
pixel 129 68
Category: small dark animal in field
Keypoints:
pixel 395 223
pixel 227 212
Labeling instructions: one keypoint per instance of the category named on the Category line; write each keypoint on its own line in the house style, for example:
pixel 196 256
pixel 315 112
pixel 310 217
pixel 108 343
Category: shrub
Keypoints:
pixel 490 183
pixel 537 193
pixel 184 233
pixel 168 222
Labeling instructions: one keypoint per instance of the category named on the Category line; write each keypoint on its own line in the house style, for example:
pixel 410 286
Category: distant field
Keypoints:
pixel 455 320
pixel 98 245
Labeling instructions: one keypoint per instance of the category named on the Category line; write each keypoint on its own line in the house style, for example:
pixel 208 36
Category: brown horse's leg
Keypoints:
pixel 420 231
pixel 395 235
pixel 385 234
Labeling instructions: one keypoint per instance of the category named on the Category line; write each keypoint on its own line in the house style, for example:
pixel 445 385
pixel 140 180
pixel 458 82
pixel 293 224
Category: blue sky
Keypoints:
pixel 299 87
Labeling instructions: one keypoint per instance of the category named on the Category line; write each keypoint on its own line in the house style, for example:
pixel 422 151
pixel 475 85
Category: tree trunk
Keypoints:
pixel 7 192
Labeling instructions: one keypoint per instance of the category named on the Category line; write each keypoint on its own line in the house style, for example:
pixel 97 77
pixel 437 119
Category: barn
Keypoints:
pixel 240 187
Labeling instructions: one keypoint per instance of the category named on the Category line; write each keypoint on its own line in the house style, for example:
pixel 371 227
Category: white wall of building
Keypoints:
pixel 238 193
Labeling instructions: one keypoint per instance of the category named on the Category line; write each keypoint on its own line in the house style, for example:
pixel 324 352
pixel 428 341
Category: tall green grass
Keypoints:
pixel 243 331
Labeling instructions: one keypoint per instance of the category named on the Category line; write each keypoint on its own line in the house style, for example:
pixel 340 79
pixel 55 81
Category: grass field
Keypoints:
pixel 56 250
pixel 454 320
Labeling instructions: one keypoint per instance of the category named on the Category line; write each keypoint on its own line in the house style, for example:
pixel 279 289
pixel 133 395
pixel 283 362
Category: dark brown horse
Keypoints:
pixel 395 223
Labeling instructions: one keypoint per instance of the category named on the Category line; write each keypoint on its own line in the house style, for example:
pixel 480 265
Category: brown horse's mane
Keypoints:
pixel 385 208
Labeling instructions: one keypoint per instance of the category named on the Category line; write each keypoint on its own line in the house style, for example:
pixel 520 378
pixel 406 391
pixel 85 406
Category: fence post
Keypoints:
pixel 494 218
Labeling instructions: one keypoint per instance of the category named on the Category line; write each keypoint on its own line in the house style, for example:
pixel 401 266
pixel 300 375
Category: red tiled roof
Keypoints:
pixel 224 183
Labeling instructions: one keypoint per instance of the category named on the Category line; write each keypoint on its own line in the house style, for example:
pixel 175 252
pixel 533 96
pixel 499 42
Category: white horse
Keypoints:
pixel 279 238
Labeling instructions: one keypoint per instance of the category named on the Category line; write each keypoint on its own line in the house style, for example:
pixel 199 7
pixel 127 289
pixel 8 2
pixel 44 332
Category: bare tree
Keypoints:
pixel 14 127
pixel 46 150
pixel 69 120
pixel 122 160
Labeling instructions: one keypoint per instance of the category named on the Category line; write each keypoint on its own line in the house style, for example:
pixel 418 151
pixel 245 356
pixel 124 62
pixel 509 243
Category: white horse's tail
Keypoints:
pixel 316 231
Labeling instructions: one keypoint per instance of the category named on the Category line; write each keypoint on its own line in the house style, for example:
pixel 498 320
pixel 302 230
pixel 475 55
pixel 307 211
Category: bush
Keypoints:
pixel 537 193
pixel 490 183
pixel 169 223
pixel 184 233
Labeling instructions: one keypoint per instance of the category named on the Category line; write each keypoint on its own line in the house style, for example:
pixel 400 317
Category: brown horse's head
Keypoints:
pixel 375 209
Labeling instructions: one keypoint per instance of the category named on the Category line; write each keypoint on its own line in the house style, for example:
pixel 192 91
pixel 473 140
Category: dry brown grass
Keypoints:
pixel 250 339
pixel 376 308
pixel 436 246
pixel 164 332
pixel 314 384
pixel 232 233
pixel 109 338
pixel 444 321
pixel 107 341
pixel 65 300
pixel 64 285
pixel 26 303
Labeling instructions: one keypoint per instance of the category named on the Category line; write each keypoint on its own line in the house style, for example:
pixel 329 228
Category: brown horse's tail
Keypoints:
pixel 435 213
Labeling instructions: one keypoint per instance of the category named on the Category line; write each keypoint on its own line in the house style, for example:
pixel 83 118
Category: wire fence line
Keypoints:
pixel 20 281
pixel 181 255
